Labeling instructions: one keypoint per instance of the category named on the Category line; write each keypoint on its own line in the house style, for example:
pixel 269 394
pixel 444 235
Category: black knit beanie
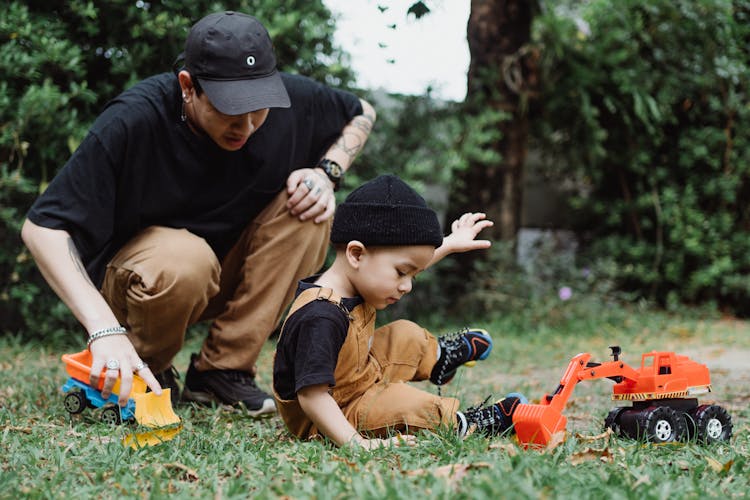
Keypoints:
pixel 386 211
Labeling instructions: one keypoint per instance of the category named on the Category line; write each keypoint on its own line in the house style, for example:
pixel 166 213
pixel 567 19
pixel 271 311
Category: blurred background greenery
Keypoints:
pixel 633 114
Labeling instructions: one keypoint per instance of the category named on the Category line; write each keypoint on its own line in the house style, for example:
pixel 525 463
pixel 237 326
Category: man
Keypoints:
pixel 201 195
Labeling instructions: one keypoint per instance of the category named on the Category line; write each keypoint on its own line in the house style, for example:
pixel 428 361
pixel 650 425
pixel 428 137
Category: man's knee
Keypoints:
pixel 188 261
pixel 165 257
pixel 309 231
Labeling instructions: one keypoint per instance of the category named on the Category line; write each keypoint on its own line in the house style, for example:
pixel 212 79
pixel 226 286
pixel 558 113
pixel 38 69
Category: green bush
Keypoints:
pixel 645 107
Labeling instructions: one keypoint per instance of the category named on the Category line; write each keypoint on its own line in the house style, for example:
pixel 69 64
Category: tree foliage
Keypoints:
pixel 61 62
pixel 645 105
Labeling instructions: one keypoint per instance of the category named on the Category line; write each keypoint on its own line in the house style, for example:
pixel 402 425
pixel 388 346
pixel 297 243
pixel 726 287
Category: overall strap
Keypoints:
pixel 316 293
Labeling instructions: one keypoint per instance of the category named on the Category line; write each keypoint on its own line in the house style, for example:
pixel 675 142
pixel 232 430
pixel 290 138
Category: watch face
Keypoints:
pixel 334 169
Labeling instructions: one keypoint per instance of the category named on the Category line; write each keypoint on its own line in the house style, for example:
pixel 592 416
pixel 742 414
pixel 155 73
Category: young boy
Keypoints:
pixel 334 373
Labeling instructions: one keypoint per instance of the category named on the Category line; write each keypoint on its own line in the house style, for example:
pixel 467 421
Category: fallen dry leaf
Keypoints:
pixel 717 466
pixel 555 440
pixel 15 428
pixel 641 480
pixel 452 472
pixel 591 454
pixel 509 448
pixel 188 473
pixel 581 437
pixel 351 464
pixel 683 465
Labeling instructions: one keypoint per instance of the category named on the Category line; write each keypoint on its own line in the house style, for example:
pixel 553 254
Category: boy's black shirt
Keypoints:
pixel 140 165
pixel 308 349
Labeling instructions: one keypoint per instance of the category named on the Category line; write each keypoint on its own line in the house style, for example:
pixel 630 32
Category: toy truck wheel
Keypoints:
pixel 613 420
pixel 661 424
pixel 711 423
pixel 75 402
pixel 111 415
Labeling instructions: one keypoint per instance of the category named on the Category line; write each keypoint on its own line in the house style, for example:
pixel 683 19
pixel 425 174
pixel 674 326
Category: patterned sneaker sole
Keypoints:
pixel 208 399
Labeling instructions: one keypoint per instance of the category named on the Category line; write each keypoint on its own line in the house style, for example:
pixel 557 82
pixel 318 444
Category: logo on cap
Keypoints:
pixel 250 60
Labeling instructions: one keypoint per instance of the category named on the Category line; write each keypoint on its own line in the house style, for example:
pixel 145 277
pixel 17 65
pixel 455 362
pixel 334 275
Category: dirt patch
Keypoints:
pixel 726 365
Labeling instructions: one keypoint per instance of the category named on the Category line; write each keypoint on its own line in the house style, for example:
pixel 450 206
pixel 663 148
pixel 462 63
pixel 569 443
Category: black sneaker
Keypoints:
pixel 491 420
pixel 168 380
pixel 230 387
pixel 457 349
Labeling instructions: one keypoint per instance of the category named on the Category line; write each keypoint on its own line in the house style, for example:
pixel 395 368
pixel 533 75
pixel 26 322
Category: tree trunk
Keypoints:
pixel 502 76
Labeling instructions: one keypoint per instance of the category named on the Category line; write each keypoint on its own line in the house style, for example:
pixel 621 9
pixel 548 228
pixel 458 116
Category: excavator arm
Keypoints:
pixel 536 423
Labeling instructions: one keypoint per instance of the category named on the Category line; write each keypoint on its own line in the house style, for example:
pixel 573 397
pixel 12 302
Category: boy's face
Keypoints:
pixel 385 274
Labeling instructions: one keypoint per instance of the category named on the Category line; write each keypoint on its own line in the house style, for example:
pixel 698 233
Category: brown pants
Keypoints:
pixel 165 279
pixel 405 352
pixel 372 374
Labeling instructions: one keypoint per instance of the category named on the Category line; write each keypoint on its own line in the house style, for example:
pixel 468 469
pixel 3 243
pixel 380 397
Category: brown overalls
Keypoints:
pixel 371 374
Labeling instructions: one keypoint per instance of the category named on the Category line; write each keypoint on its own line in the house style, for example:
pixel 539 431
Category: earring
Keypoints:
pixel 183 116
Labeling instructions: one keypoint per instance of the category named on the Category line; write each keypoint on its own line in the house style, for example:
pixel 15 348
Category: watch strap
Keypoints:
pixel 333 171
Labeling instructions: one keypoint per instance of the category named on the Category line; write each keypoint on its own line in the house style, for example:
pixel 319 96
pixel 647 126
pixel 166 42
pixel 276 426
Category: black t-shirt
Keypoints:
pixel 308 349
pixel 140 165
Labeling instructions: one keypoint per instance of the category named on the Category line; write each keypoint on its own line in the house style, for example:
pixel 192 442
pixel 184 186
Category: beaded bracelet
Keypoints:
pixel 106 332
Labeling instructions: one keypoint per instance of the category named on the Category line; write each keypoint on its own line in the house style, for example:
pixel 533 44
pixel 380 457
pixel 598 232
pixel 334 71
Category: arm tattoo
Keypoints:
pixel 351 142
pixel 364 123
pixel 76 258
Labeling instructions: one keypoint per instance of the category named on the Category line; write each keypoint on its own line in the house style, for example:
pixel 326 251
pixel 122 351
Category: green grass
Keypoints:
pixel 222 454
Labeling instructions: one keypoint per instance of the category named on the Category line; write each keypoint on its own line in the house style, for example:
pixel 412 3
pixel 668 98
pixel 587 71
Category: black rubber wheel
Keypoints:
pixel 613 420
pixel 111 415
pixel 661 424
pixel 710 423
pixel 75 402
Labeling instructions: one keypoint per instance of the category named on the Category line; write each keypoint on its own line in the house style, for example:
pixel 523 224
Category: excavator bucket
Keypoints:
pixel 535 424
pixel 155 411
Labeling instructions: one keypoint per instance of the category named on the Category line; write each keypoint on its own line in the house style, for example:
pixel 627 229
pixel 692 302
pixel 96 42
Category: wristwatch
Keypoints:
pixel 333 170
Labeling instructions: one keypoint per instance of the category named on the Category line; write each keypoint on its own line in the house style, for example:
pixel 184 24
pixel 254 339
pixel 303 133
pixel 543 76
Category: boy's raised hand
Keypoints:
pixel 464 231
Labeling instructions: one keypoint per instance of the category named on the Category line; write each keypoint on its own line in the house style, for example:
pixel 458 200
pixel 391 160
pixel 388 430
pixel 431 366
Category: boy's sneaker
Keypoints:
pixel 230 387
pixel 491 420
pixel 168 380
pixel 457 349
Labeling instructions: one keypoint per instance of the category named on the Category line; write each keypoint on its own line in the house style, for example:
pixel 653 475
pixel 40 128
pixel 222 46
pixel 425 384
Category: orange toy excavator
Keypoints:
pixel 663 391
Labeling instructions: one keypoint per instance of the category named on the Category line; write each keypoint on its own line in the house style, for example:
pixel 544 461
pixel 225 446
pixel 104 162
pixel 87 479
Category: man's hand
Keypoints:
pixel 310 195
pixel 120 349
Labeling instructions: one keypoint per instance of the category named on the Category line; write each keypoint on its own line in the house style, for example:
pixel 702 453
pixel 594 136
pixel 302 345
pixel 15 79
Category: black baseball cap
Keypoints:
pixel 232 57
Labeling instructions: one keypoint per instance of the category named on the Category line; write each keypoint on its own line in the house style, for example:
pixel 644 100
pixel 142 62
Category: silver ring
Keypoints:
pixel 309 183
pixel 113 364
pixel 139 366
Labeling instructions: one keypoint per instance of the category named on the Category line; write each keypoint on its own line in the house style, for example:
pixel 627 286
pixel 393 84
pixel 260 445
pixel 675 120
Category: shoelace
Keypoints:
pixel 483 417
pixel 450 351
